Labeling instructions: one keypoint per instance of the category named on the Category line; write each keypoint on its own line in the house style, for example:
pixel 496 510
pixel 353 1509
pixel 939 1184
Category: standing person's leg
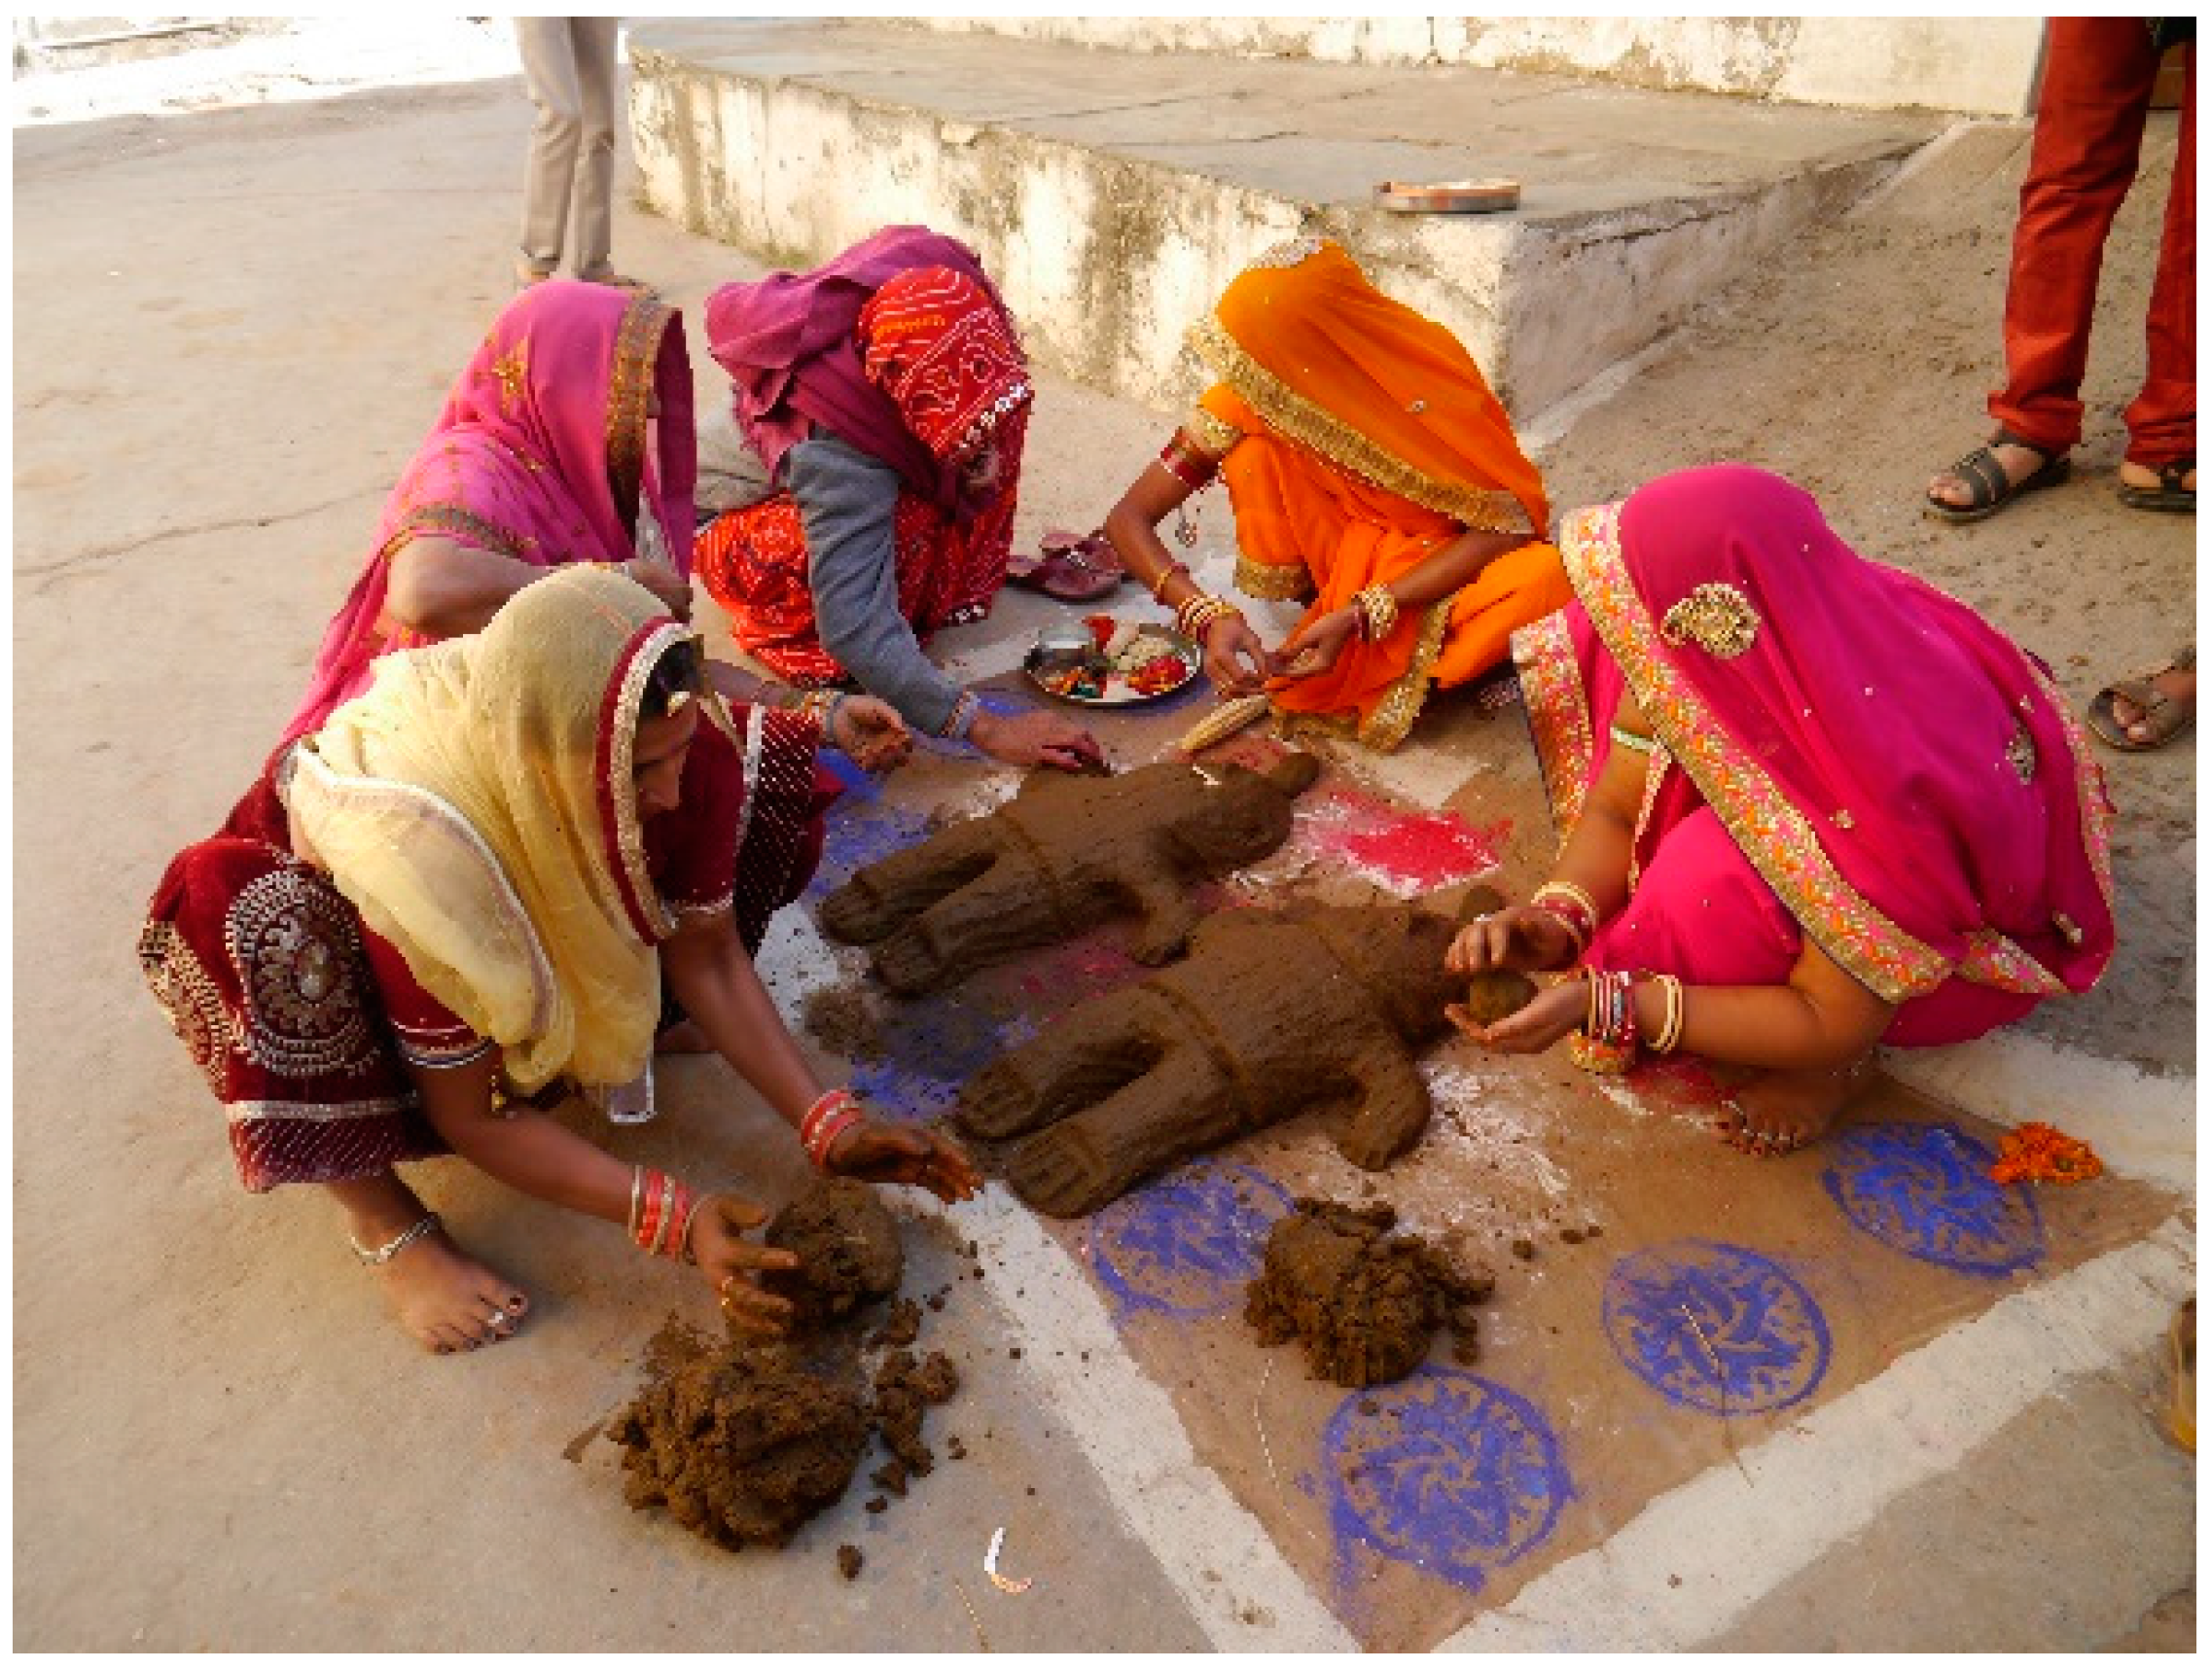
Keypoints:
pixel 2096 87
pixel 2088 131
pixel 549 73
pixel 2162 421
pixel 593 214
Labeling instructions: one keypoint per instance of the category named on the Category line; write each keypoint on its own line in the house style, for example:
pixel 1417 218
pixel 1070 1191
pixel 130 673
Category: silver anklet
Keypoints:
pixel 397 1244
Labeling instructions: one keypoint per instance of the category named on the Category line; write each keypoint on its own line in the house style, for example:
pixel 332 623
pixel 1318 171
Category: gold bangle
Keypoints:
pixel 1378 610
pixel 1670 1025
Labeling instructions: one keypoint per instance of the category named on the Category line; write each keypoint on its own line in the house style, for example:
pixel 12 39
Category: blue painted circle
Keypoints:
pixel 1925 1189
pixel 1451 1471
pixel 1716 1328
pixel 1187 1244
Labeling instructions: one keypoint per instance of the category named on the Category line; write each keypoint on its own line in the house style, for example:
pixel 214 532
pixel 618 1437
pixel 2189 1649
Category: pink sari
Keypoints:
pixel 1843 752
pixel 543 453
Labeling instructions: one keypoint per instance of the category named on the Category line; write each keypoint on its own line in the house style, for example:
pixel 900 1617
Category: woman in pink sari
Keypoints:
pixel 568 438
pixel 1810 804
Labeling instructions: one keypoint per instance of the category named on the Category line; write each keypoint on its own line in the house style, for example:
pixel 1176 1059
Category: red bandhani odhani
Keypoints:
pixel 945 354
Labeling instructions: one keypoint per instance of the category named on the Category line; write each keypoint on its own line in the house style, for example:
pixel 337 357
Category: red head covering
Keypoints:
pixel 791 344
pixel 1910 783
pixel 943 350
pixel 539 454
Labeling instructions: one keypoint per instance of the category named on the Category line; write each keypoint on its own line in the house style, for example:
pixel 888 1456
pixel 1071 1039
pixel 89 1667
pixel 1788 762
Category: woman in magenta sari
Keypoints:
pixel 1810 804
pixel 568 438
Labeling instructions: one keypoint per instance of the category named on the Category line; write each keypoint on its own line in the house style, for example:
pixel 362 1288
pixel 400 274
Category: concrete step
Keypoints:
pixel 1114 195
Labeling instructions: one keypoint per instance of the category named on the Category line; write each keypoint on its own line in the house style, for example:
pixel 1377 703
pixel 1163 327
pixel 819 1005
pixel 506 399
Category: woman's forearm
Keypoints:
pixel 443 589
pixel 529 1152
pixel 1132 528
pixel 734 684
pixel 715 981
pixel 1762 1025
pixel 1457 564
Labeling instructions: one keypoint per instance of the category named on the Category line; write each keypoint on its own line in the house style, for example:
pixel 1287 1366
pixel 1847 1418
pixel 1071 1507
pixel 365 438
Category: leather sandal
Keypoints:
pixel 2169 493
pixel 1988 488
pixel 1073 568
pixel 2165 716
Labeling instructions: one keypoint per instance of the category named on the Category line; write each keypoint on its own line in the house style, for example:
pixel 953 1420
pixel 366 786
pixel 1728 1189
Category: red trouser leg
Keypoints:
pixel 2097 76
pixel 2162 421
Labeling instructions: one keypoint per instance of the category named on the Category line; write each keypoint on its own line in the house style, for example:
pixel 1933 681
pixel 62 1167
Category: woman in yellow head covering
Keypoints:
pixel 465 890
pixel 1371 470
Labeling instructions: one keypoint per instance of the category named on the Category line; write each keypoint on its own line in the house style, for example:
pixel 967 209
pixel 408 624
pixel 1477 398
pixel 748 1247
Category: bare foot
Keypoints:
pixel 2018 462
pixel 2178 684
pixel 683 1038
pixel 447 1299
pixel 1779 1112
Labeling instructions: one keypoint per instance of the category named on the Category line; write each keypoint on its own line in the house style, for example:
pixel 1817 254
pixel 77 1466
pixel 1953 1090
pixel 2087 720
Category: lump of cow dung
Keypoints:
pixel 744 1445
pixel 1497 992
pixel 847 1245
pixel 1361 1302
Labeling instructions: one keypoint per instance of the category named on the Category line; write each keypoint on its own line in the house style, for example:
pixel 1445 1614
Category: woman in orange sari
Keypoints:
pixel 1371 470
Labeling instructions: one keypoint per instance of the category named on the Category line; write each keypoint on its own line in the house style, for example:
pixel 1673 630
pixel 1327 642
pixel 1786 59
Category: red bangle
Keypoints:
pixel 660 1214
pixel 824 1121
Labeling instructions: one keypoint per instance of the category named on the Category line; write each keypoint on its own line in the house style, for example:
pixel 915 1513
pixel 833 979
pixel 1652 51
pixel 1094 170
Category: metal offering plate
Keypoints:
pixel 1100 661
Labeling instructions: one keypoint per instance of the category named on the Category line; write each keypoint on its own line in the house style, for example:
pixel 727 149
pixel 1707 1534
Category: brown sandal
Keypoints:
pixel 2165 716
pixel 1988 488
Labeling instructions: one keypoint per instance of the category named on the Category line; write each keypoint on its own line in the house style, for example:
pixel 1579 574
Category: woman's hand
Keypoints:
pixel 1315 647
pixel 1035 738
pixel 1535 1028
pixel 878 1153
pixel 871 733
pixel 1236 660
pixel 1531 940
pixel 733 1264
pixel 663 582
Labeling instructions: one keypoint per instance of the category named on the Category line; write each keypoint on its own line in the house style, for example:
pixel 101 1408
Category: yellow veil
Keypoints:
pixel 476 804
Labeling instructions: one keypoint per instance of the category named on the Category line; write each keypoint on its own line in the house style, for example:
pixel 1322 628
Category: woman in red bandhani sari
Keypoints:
pixel 568 438
pixel 461 894
pixel 1812 805
pixel 887 397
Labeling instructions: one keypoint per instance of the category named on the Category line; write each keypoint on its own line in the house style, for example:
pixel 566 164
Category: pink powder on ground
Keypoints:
pixel 1408 852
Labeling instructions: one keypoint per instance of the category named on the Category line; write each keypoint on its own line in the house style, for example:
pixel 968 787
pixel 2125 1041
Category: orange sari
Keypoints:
pixel 1357 438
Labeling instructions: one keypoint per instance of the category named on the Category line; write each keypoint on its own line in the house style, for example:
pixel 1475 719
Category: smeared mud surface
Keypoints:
pixel 1497 992
pixel 1361 1302
pixel 743 1440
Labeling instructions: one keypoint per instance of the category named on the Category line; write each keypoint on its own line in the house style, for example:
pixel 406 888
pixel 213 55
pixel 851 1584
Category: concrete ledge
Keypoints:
pixel 1979 66
pixel 1115 195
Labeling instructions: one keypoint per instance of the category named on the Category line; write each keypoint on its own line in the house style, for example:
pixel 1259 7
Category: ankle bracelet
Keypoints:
pixel 398 1243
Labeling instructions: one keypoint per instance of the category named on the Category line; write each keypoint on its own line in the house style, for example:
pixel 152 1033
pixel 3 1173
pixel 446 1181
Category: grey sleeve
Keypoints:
pixel 847 502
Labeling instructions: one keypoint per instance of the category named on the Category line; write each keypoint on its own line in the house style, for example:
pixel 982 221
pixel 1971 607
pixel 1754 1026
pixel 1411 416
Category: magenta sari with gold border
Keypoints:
pixel 543 453
pixel 1843 752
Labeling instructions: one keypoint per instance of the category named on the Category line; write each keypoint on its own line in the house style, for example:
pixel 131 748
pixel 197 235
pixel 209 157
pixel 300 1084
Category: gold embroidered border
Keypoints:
pixel 630 827
pixel 1992 959
pixel 1320 431
pixel 1214 436
pixel 1402 702
pixel 455 519
pixel 1273 582
pixel 1558 715
pixel 637 350
pixel 2088 786
pixel 1773 833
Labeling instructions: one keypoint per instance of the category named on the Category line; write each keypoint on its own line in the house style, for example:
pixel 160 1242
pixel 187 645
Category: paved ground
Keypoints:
pixel 231 331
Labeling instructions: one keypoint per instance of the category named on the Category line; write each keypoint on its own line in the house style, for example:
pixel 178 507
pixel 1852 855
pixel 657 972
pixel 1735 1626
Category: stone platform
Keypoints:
pixel 1114 195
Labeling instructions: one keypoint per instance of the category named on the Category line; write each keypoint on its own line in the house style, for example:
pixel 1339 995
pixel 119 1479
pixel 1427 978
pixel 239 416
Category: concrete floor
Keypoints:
pixel 231 332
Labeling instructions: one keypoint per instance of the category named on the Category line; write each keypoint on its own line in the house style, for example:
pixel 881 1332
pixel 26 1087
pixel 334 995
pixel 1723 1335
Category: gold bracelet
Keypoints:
pixel 1377 610
pixel 1670 1026
pixel 1159 585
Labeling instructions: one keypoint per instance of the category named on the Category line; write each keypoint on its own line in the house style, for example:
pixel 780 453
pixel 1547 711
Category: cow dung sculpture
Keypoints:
pixel 1064 853
pixel 1271 1012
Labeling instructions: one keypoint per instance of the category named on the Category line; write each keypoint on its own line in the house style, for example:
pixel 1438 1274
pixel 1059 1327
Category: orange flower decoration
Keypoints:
pixel 2040 1152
